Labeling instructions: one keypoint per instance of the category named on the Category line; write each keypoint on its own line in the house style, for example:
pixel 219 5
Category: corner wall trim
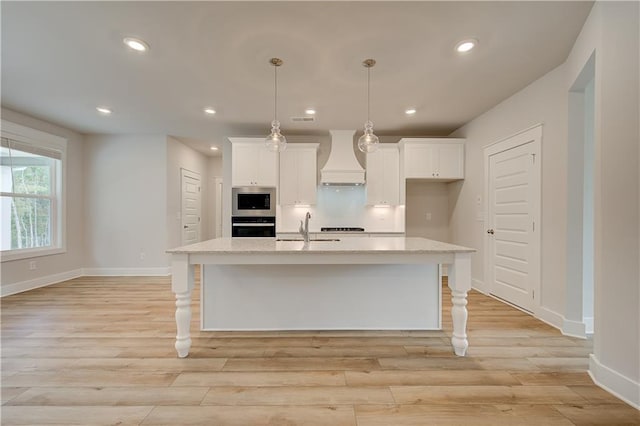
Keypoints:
pixel 22 286
pixel 614 382
pixel 127 272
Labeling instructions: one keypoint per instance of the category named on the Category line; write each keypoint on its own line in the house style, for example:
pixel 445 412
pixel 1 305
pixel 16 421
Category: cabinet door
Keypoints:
pixel 288 177
pixel 267 167
pixel 298 171
pixel 420 161
pixel 391 183
pixel 450 161
pixel 383 177
pixel 243 165
pixel 307 176
pixel 375 178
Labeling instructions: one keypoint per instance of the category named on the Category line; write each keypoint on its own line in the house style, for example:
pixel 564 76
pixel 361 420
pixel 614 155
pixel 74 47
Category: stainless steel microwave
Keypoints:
pixel 253 201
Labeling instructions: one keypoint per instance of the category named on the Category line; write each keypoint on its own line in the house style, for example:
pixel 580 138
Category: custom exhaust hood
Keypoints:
pixel 342 167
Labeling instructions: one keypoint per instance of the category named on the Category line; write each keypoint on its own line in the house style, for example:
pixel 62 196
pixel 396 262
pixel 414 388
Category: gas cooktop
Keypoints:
pixel 341 229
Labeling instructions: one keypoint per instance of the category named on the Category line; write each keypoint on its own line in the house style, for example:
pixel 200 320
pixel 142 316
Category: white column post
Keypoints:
pixel 459 282
pixel 182 286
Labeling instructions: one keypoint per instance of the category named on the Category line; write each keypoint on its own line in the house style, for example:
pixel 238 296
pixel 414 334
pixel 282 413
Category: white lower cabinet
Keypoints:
pixel 298 174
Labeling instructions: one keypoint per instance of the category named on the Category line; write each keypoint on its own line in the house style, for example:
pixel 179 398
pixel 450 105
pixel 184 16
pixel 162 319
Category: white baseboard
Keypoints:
pixel 552 318
pixel 479 285
pixel 19 287
pixel 574 328
pixel 126 272
pixel 614 382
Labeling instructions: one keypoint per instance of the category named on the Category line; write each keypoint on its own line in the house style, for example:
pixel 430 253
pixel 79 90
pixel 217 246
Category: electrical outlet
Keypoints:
pixel 32 265
pixel 428 216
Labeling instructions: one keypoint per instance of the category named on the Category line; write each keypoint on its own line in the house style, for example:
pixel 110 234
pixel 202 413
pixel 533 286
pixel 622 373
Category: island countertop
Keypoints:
pixel 352 245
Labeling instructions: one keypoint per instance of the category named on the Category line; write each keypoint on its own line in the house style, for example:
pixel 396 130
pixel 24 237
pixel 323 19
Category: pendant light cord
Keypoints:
pixel 275 100
pixel 368 92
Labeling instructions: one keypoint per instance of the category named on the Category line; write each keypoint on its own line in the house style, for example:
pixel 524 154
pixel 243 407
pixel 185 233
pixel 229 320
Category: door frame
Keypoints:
pixel 531 135
pixel 193 175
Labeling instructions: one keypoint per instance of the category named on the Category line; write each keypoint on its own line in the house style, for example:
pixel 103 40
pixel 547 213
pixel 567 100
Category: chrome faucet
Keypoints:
pixel 304 229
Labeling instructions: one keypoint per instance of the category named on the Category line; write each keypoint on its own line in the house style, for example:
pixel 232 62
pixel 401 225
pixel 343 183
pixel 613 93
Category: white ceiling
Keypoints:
pixel 62 59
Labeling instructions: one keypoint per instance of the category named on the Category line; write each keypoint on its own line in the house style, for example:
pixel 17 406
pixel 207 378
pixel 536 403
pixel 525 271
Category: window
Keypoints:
pixel 31 192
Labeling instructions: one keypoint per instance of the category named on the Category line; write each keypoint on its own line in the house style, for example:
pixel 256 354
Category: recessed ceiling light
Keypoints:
pixel 213 148
pixel 410 111
pixel 209 110
pixel 310 111
pixel 466 45
pixel 103 110
pixel 136 44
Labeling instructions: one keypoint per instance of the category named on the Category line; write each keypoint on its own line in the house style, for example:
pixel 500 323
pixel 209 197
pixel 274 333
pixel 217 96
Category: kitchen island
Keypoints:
pixel 390 283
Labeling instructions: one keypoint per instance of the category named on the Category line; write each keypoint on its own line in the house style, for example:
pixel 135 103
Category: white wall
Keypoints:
pixel 125 205
pixel 215 171
pixel 180 156
pixel 616 361
pixel 612 32
pixel 422 198
pixel 16 274
pixel 543 101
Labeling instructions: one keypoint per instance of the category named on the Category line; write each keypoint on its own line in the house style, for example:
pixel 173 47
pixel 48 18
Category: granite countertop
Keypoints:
pixel 353 245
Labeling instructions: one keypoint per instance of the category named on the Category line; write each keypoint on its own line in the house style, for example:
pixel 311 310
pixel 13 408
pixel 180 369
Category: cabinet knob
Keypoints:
pixel 490 231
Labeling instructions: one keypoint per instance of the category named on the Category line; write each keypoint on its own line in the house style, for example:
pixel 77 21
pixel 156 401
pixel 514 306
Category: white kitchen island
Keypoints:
pixel 385 283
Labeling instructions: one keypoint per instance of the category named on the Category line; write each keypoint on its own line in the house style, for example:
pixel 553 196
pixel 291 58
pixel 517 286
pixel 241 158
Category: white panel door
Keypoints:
pixel 511 225
pixel 191 205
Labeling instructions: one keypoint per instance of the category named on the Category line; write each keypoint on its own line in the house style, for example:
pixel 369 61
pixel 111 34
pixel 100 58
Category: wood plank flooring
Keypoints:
pixel 100 351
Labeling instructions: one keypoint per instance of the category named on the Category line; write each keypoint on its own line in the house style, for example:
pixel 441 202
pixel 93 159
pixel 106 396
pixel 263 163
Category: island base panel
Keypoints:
pixel 321 297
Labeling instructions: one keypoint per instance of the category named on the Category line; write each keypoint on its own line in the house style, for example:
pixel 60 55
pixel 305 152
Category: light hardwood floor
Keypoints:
pixel 100 351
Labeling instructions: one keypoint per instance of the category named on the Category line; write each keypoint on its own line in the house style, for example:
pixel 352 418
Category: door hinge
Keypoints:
pixel 533 294
pixel 534 158
pixel 533 226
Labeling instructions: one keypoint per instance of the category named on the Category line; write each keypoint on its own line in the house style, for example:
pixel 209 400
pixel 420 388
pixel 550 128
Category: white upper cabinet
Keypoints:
pixel 439 159
pixel 383 176
pixel 298 174
pixel 252 164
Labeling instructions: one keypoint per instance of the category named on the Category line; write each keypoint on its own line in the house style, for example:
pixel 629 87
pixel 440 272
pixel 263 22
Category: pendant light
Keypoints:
pixel 275 141
pixel 369 141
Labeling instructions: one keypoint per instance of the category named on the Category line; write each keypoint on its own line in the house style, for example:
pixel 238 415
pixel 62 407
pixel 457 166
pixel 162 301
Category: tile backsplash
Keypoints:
pixel 342 206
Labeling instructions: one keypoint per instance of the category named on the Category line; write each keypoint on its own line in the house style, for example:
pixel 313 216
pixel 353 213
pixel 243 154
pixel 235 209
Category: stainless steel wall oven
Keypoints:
pixel 253 226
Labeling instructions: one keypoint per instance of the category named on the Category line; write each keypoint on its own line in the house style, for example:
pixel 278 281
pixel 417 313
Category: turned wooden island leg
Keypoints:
pixel 460 283
pixel 182 286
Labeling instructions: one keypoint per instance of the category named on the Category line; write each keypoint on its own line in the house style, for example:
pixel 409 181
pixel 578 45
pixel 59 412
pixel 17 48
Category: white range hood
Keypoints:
pixel 342 167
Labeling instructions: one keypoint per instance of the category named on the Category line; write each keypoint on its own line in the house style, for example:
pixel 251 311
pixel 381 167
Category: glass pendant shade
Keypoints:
pixel 368 142
pixel 275 142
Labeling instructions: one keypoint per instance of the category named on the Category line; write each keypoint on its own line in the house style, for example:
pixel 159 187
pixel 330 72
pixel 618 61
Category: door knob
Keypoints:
pixel 490 231
pixel 185 226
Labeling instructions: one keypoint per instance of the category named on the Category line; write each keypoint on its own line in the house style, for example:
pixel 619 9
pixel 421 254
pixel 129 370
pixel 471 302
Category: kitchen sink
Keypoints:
pixel 311 240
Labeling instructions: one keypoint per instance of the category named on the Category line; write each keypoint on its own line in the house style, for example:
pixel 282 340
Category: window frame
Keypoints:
pixel 50 142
